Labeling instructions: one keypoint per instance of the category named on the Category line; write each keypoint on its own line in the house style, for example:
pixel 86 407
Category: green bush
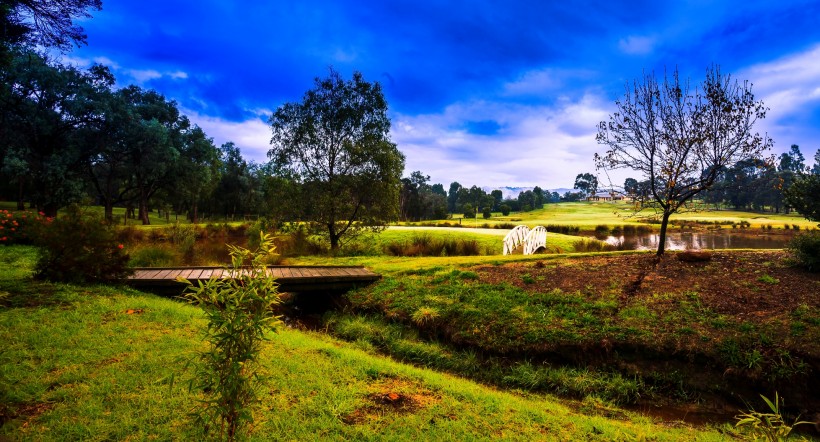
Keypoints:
pixel 805 249
pixel 15 227
pixel 78 247
pixel 487 213
pixel 505 209
pixel 239 312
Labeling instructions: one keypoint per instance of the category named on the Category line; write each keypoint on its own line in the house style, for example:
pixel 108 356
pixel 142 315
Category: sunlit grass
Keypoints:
pixel 104 363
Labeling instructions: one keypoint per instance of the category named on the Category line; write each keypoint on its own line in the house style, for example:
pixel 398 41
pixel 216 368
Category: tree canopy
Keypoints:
pixel 804 196
pixel 680 138
pixel 336 143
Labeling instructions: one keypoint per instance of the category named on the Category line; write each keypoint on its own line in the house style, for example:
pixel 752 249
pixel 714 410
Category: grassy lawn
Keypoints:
pixel 742 324
pixel 102 363
pixel 587 215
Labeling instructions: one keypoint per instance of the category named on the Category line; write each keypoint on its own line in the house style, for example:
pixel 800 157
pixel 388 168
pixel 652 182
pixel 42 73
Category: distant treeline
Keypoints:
pixel 751 184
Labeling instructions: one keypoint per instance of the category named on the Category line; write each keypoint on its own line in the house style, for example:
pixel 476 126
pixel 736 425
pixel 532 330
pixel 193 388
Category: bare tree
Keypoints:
pixel 680 138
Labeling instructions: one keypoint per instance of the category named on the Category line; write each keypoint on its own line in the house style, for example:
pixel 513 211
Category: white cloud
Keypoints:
pixel 636 45
pixel 125 75
pixel 790 88
pixel 251 136
pixel 143 75
pixel 538 145
pixel 107 62
pixel 541 81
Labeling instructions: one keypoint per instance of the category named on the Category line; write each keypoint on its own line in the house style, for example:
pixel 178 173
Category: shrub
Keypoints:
pixel 629 229
pixel 239 312
pixel 487 213
pixel 601 231
pixel 15 227
pixel 79 247
pixel 505 209
pixel 805 249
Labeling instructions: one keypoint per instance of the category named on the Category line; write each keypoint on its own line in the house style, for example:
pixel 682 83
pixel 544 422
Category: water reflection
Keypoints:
pixel 701 240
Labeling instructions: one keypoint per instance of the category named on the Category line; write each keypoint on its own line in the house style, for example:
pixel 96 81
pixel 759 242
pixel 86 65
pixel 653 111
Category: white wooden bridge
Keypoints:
pixel 531 239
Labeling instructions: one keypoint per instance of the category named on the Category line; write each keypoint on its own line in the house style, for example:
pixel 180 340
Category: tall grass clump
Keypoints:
pixel 769 425
pixel 239 311
pixel 593 245
pixel 563 229
pixel 151 255
pixel 426 245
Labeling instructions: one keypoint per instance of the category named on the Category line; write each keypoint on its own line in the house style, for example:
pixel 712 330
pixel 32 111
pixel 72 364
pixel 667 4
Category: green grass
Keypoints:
pixel 587 215
pixel 97 363
pixel 475 321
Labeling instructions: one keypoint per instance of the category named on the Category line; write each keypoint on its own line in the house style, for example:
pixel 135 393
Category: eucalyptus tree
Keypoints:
pixel 45 106
pixel 336 143
pixel 804 196
pixel 680 137
pixel 198 171
pixel 154 141
pixel 108 170
pixel 587 183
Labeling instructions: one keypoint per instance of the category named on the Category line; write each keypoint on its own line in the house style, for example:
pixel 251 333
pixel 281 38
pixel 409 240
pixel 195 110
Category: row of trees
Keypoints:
pixel 420 200
pixel 749 184
pixel 67 135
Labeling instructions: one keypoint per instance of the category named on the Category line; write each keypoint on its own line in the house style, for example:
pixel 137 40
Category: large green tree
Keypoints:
pixel 336 143
pixel 44 108
pixel 804 196
pixel 587 183
pixel 679 138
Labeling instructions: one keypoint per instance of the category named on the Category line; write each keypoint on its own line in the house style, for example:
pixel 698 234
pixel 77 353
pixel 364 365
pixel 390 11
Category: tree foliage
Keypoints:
pixel 679 138
pixel 45 22
pixel 804 196
pixel 587 183
pixel 336 143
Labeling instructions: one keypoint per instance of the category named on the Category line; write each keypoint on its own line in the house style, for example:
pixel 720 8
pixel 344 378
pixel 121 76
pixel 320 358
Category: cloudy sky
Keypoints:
pixel 487 93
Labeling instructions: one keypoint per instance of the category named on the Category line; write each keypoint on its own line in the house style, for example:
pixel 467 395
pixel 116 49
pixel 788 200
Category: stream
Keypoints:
pixel 701 240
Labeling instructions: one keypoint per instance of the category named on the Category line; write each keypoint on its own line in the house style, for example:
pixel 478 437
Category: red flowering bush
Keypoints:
pixel 15 226
pixel 78 247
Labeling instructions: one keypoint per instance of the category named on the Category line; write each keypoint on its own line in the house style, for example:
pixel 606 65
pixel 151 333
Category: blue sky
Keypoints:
pixel 485 93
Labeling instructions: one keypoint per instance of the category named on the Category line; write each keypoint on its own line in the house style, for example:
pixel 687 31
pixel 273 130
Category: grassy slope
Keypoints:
pixel 587 215
pixel 96 363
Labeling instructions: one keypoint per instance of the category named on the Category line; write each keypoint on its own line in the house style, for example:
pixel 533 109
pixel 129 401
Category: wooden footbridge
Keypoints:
pixel 290 278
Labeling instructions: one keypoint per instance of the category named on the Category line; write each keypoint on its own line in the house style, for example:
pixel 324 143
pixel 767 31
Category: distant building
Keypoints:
pixel 610 196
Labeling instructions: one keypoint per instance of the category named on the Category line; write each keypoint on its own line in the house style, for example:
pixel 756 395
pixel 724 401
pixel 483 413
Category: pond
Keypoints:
pixel 702 240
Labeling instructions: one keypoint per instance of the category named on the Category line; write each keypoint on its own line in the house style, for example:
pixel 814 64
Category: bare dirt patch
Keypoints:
pixel 391 396
pixel 750 285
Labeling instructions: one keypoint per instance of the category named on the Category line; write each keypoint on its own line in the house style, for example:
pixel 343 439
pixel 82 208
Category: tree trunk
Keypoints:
pixel 143 209
pixel 194 215
pixel 109 211
pixel 20 187
pixel 334 238
pixel 662 238
pixel 50 209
